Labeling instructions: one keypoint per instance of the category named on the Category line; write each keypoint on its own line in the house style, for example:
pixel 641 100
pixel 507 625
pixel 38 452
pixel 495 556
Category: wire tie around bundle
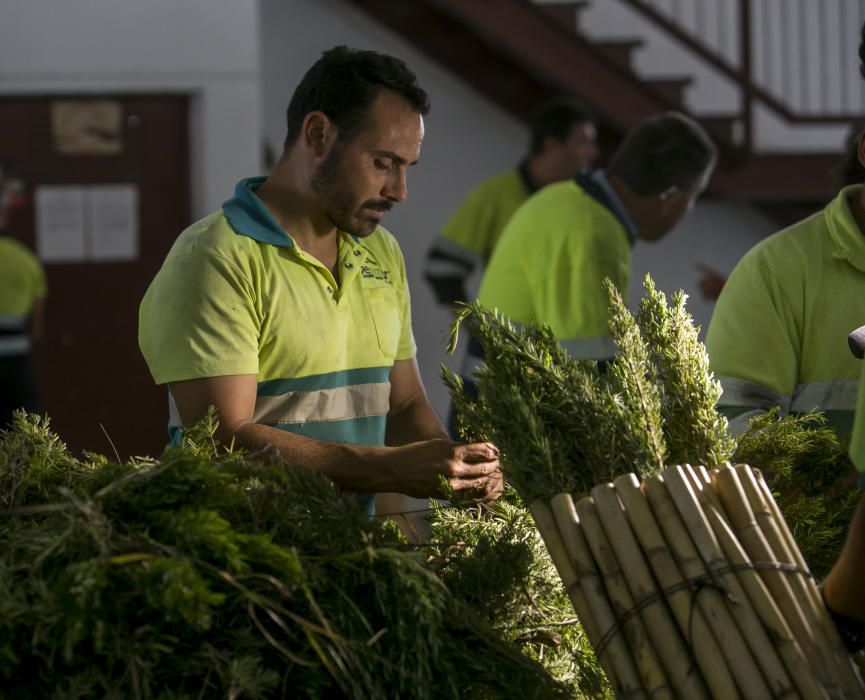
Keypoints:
pixel 695 585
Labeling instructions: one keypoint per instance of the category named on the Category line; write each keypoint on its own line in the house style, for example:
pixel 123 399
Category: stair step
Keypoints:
pixel 619 51
pixel 566 14
pixel 671 89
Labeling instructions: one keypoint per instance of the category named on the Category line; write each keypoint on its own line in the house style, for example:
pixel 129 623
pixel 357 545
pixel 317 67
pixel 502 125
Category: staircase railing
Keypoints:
pixel 798 58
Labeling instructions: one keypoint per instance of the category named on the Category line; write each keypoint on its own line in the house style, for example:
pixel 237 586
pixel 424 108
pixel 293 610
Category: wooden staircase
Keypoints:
pixel 518 53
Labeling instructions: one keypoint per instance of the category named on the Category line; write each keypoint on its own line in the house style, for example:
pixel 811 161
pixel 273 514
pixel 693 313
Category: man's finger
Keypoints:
pixel 477 452
pixel 482 489
pixel 473 470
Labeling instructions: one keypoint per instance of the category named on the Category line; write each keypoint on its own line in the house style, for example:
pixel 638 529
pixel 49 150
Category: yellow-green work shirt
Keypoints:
pixel 236 295
pixel 550 263
pixel 778 335
pixel 470 235
pixel 22 284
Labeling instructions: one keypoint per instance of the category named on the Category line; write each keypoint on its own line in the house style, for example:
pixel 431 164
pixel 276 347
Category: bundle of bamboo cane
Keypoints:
pixel 690 585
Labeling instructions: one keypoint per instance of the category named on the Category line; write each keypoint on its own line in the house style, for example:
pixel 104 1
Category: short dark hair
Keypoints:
pixel 343 83
pixel 555 118
pixel 668 150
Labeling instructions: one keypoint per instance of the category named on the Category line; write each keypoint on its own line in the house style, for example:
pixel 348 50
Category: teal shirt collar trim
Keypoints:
pixel 248 216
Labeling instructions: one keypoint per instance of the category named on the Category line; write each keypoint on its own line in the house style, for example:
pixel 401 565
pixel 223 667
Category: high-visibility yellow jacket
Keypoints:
pixel 550 263
pixel 22 284
pixel 778 335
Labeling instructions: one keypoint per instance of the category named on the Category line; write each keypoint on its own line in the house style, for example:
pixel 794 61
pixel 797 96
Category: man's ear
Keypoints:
pixel 551 144
pixel 319 132
pixel 670 198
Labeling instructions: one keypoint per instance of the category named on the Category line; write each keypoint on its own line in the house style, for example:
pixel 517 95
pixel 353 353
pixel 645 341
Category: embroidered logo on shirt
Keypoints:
pixel 375 273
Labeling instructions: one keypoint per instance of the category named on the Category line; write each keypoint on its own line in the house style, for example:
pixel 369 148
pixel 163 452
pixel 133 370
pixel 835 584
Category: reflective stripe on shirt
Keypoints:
pixel 836 395
pixel 740 392
pixel 346 406
pixel 601 348
pixel 14 345
pixel 447 249
pixel 12 322
pixel 344 403
pixel 439 267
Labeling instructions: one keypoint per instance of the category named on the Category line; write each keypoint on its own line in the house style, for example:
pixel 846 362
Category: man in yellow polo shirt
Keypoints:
pixel 563 143
pixel 288 309
pixel 22 303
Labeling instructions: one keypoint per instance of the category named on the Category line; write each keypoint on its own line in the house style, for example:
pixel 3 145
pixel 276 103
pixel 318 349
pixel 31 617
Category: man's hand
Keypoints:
pixel 472 470
pixel 711 282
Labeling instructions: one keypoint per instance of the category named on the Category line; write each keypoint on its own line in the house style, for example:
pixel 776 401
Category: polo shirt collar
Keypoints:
pixel 848 241
pixel 598 186
pixel 248 216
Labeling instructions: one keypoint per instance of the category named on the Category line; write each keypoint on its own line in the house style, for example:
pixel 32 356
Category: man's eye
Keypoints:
pixel 380 164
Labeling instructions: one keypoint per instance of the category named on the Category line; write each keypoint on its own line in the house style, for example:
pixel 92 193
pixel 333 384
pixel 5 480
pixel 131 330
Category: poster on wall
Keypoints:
pixel 113 222
pixel 95 223
pixel 87 127
pixel 60 228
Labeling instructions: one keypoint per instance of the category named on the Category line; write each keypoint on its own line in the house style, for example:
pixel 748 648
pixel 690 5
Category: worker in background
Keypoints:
pixel 777 332
pixel 563 142
pixel 550 264
pixel 22 306
pixel 288 309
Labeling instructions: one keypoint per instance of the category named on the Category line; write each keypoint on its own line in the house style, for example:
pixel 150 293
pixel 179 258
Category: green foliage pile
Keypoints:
pixel 564 425
pixel 492 557
pixel 209 573
pixel 809 471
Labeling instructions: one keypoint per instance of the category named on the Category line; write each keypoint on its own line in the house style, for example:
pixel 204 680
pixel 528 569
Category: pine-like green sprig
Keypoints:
pixel 694 430
pixel 636 403
pixel 535 402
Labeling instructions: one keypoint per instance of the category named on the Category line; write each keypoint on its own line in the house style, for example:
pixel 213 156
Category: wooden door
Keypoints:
pixel 92 380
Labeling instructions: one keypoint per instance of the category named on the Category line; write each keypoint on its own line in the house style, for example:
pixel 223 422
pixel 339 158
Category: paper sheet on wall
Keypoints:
pixel 60 225
pixel 113 222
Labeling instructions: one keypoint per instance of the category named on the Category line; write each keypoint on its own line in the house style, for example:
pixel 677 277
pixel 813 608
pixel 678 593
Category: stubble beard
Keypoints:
pixel 331 184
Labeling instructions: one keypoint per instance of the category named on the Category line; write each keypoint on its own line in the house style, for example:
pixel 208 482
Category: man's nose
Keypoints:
pixel 396 189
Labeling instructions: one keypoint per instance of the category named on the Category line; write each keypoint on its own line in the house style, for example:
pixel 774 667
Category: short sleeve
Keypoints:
pixel 752 338
pixel 470 226
pixel 198 319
